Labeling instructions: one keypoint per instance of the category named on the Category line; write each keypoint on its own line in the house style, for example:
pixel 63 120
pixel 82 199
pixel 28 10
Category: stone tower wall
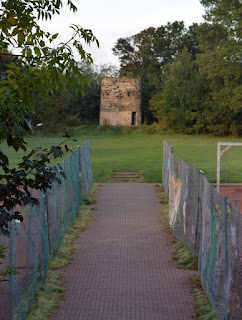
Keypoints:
pixel 120 101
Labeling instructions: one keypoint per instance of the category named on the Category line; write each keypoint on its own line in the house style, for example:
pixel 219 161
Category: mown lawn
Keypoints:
pixel 143 151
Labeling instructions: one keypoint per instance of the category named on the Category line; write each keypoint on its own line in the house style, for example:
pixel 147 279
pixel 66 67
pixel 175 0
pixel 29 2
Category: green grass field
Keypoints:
pixel 144 152
pixel 133 150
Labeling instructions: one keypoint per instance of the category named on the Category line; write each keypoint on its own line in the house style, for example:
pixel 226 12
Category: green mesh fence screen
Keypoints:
pixel 167 154
pixel 208 224
pixel 32 241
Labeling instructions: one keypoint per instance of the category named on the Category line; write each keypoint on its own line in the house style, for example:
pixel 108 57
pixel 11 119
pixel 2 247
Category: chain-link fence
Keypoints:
pixel 32 241
pixel 208 224
pixel 167 154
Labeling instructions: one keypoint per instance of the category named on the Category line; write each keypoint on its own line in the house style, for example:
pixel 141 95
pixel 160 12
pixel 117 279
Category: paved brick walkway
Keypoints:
pixel 123 267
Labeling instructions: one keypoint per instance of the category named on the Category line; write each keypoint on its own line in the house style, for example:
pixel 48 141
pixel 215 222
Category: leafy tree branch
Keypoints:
pixel 37 70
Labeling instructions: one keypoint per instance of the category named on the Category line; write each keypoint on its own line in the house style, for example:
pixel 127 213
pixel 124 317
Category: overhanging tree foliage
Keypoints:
pixel 36 68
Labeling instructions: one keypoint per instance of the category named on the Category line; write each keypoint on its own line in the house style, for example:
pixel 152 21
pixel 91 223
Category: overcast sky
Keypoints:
pixel 111 20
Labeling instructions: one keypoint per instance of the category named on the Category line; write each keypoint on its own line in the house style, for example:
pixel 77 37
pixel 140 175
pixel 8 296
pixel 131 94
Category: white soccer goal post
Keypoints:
pixel 227 145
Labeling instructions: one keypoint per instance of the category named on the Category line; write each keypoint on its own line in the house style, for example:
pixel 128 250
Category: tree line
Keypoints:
pixel 67 108
pixel 191 77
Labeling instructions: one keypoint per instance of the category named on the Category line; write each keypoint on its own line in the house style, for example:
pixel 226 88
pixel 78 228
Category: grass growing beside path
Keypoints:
pixel 187 260
pixel 205 310
pixel 49 296
pixel 138 148
pixel 184 258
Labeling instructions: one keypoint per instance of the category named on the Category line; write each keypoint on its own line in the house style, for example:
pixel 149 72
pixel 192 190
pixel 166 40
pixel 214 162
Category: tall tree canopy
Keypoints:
pixel 180 104
pixel 220 61
pixel 225 12
pixel 201 89
pixel 145 54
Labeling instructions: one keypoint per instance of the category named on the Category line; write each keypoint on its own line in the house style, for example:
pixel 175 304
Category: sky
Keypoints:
pixel 110 20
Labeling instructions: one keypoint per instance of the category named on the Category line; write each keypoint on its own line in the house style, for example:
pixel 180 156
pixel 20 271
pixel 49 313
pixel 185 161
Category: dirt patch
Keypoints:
pixel 234 194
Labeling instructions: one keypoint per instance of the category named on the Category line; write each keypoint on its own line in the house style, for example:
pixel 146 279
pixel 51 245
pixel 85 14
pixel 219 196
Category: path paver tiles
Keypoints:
pixel 123 268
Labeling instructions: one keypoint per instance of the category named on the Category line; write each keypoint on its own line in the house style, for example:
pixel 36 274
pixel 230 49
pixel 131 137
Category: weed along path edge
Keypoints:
pixel 123 267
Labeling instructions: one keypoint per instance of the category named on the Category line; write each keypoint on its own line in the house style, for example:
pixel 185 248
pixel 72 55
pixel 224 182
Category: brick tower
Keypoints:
pixel 120 101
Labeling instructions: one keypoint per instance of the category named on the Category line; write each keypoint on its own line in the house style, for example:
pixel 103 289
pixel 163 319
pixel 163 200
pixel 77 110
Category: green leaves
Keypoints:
pixel 180 104
pixel 42 43
pixel 16 142
pixel 227 13
pixel 72 6
pixel 54 36
pixel 37 51
pixel 38 70
pixel 20 28
pixel 7 271
pixel 220 63
pixel 15 31
pixel 201 93
pixel 146 53
pixel 57 151
pixel 4 162
pixel 20 36
pixel 34 171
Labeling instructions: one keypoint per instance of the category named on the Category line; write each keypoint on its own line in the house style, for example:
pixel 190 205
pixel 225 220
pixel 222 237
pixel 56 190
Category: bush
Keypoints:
pixel 71 121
